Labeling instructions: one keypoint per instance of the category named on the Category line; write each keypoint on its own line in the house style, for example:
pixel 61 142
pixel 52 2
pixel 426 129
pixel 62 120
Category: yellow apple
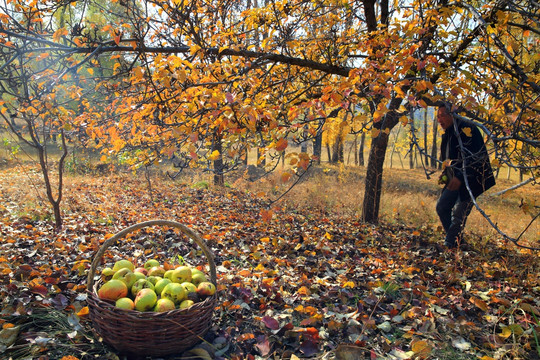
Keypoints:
pixel 163 305
pixel 123 264
pixel 125 303
pixel 185 304
pixel 181 274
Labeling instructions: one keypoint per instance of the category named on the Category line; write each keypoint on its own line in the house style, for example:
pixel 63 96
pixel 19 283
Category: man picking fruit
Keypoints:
pixel 464 155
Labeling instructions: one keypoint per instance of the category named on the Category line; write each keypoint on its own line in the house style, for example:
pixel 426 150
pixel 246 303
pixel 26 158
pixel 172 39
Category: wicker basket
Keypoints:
pixel 147 333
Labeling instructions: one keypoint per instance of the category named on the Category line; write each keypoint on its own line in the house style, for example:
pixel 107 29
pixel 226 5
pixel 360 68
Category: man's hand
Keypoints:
pixel 454 184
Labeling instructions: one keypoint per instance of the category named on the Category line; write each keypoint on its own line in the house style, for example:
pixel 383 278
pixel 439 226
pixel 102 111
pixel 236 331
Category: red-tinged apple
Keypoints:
pixel 189 287
pixel 139 285
pixel 206 289
pixel 125 303
pixel 156 271
pixel 174 292
pixel 181 274
pixel 145 300
pixel 141 270
pixel 150 264
pixel 185 304
pixel 163 305
pixel 120 264
pixel 160 285
pixel 113 289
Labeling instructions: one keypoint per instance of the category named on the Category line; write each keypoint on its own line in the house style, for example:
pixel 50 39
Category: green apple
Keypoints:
pixel 185 304
pixel 150 264
pixel 198 278
pixel 120 264
pixel 154 279
pixel 139 285
pixel 181 274
pixel 174 292
pixel 156 271
pixel 125 303
pixel 160 285
pixel 145 300
pixel 121 273
pixel 163 305
pixel 131 278
pixel 113 289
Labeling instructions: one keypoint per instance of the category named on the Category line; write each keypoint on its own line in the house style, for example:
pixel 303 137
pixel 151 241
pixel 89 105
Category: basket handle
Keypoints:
pixel 187 231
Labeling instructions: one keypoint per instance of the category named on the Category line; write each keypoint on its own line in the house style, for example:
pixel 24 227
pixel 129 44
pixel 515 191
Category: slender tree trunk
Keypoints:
pixel 434 144
pixel 43 162
pixel 426 136
pixel 361 149
pixel 372 197
pixel 219 179
pixel 328 152
pixel 317 147
pixel 355 148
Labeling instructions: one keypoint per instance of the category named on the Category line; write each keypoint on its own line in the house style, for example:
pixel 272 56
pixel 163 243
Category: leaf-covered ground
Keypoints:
pixel 297 286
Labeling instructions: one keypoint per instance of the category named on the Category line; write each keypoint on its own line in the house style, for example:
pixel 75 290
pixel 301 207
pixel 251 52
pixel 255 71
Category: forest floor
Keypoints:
pixel 293 282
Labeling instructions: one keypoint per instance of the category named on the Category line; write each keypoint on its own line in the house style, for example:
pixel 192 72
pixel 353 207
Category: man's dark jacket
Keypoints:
pixel 478 168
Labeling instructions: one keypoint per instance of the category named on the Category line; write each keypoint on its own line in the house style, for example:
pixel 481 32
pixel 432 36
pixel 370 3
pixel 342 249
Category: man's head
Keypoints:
pixel 444 117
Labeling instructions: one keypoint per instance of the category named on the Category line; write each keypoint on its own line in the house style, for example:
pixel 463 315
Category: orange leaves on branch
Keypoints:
pixel 281 144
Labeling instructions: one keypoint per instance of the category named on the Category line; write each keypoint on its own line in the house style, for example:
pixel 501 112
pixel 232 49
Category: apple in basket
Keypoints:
pixel 150 264
pixel 145 300
pixel 189 287
pixel 197 276
pixel 125 303
pixel 139 285
pixel 181 274
pixel 156 271
pixel 113 290
pixel 163 305
pixel 120 264
pixel 174 292
pixel 160 285
pixel 185 304
pixel 206 288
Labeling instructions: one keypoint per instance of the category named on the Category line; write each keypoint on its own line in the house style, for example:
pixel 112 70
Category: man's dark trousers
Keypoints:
pixel 453 213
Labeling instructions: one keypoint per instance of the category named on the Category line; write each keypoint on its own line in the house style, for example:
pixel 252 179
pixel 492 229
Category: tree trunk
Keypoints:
pixel 355 148
pixel 361 149
pixel 317 147
pixel 219 179
pixel 373 188
pixel 328 152
pixel 426 136
pixel 434 145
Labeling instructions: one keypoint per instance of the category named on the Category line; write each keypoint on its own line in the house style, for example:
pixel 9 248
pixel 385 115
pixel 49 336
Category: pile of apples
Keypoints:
pixel 152 288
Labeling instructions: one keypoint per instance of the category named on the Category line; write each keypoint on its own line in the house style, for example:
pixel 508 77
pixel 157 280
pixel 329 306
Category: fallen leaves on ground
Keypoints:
pixel 291 285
